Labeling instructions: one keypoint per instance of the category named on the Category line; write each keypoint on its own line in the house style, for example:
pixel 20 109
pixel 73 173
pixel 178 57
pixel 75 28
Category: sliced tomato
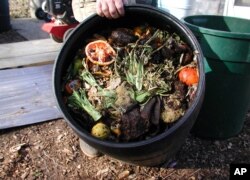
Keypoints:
pixel 100 52
pixel 189 76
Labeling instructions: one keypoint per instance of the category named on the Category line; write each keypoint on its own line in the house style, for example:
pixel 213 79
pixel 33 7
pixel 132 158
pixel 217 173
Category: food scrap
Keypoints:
pixel 131 84
pixel 189 75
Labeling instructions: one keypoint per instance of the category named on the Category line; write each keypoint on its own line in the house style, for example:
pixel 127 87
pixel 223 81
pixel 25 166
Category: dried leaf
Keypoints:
pixel 123 174
pixel 17 147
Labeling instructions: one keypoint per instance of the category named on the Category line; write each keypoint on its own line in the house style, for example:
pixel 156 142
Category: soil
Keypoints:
pixel 51 150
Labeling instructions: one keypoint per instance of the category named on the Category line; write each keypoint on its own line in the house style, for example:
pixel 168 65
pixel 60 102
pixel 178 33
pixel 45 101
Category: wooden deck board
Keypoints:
pixel 28 53
pixel 26 96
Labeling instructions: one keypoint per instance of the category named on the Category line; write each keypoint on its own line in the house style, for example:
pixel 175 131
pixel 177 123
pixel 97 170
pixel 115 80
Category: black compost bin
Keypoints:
pixel 155 150
pixel 4 16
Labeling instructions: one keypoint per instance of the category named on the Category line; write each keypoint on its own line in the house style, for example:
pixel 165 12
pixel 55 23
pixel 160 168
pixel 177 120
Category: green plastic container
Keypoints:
pixel 225 42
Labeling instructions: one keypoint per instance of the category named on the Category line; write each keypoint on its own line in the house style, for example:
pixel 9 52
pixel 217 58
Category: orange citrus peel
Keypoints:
pixel 100 52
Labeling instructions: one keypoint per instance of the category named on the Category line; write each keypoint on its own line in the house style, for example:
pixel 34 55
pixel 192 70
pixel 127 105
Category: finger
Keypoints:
pixel 99 9
pixel 112 9
pixel 119 4
pixel 105 10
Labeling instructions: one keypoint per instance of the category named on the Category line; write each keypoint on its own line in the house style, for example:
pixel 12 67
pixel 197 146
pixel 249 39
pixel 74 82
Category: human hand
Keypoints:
pixel 110 8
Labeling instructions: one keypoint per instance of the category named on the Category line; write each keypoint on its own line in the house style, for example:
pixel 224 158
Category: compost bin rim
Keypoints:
pixel 219 33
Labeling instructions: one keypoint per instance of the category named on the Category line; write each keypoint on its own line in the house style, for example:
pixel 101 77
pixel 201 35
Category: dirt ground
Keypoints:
pixel 51 150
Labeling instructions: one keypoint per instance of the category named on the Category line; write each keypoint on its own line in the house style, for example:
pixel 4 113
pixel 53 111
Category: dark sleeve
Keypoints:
pixel 148 2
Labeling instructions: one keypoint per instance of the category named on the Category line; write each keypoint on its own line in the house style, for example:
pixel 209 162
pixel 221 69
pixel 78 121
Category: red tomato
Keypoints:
pixel 189 76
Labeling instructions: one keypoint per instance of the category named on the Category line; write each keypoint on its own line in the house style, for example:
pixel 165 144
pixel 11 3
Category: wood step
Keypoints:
pixel 28 53
pixel 26 96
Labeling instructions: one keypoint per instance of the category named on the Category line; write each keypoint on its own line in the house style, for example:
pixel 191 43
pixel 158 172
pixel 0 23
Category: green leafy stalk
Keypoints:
pixel 135 71
pixel 139 76
pixel 142 96
pixel 89 78
pixel 81 101
pixel 77 65
pixel 109 95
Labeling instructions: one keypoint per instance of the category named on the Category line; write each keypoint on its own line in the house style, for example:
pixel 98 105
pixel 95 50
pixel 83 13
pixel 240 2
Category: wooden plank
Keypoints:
pixel 28 53
pixel 26 96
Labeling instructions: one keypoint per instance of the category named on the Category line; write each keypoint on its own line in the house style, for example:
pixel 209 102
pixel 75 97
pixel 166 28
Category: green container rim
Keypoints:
pixel 235 35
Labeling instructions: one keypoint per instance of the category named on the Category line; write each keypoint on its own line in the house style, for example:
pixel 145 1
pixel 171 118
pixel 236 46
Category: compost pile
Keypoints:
pixel 130 84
